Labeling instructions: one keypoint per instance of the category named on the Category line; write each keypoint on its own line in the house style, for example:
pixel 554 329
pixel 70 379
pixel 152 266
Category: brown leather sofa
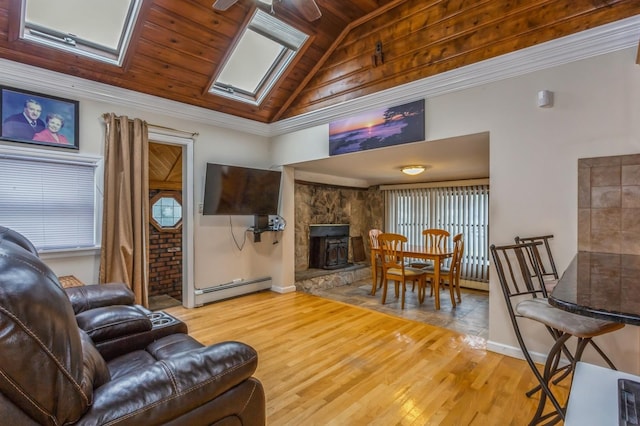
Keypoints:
pixel 108 312
pixel 51 371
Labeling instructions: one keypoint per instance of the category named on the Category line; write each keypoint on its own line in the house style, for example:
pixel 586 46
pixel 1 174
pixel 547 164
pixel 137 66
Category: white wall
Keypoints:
pixel 534 155
pixel 217 259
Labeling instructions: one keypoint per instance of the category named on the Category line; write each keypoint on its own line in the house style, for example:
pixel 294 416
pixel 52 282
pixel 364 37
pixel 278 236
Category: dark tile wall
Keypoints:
pixel 609 204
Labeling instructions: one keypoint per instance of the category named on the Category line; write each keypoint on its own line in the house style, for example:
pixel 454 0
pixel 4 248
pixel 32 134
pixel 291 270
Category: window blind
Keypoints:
pixel 458 209
pixel 50 201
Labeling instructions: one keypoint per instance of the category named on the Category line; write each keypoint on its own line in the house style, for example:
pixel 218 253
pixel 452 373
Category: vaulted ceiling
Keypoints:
pixel 179 45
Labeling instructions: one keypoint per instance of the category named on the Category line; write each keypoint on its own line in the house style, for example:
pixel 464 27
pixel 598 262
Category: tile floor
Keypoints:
pixel 469 317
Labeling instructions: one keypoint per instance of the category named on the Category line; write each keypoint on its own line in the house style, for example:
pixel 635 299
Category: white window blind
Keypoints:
pixel 458 209
pixel 50 201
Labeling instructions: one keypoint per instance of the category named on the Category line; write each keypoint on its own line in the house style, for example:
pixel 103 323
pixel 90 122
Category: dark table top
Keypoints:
pixel 601 285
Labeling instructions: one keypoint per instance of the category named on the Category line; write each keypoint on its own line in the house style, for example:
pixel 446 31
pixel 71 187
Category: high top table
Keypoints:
pixel 601 285
pixel 604 286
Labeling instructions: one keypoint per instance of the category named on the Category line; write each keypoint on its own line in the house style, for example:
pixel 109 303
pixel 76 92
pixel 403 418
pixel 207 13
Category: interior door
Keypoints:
pixel 165 266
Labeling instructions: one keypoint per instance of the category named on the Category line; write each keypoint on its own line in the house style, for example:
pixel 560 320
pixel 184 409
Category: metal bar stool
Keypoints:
pixel 526 297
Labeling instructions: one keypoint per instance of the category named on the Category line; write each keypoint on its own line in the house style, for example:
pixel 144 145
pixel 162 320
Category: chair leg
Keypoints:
pixel 384 291
pixel 452 295
pixel 422 290
pixel 602 354
pixel 403 290
pixel 374 285
pixel 549 370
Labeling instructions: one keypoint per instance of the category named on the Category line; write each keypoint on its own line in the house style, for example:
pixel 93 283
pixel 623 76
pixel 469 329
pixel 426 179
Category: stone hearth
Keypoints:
pixel 312 280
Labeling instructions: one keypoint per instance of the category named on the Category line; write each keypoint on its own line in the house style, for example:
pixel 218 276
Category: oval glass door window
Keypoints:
pixel 166 211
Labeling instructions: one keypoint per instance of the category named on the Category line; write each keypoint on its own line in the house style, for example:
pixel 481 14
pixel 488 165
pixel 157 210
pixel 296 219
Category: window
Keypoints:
pixel 458 209
pixel 49 199
pixel 98 29
pixel 166 211
pixel 263 52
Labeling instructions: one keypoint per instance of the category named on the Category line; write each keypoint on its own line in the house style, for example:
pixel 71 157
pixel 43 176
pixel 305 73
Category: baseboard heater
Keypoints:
pixel 230 289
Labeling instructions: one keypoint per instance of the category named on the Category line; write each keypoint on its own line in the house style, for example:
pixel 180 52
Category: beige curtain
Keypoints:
pixel 126 205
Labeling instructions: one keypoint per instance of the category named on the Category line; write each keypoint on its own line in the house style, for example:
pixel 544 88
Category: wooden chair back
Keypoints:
pixel 392 250
pixel 451 275
pixel 394 269
pixel 432 238
pixel 375 244
pixel 373 237
pixel 435 237
pixel 456 259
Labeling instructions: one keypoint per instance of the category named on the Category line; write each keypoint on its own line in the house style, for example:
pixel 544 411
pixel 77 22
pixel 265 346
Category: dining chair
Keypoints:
pixel 526 298
pixel 450 274
pixel 394 268
pixel 433 237
pixel 544 259
pixel 374 244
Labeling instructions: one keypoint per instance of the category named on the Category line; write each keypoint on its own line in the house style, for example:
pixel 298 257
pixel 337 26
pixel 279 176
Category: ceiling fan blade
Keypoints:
pixel 223 4
pixel 308 8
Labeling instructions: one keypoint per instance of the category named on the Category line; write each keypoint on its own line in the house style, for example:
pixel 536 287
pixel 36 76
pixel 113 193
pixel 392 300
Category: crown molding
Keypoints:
pixel 597 41
pixel 608 38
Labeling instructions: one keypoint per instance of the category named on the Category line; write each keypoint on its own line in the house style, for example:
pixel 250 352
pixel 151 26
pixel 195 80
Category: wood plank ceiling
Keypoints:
pixel 179 45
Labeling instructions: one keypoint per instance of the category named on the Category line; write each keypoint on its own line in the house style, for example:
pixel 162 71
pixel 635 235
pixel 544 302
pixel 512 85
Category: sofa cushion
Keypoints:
pixel 110 322
pixel 88 297
pixel 130 362
pixel 96 372
pixel 163 348
pixel 172 345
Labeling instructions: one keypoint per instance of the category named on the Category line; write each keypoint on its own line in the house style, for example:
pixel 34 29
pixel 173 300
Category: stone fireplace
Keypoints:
pixel 317 204
pixel 362 209
pixel 328 246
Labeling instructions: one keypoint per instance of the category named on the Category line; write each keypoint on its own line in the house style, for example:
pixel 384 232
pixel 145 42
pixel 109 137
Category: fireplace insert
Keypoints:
pixel 328 246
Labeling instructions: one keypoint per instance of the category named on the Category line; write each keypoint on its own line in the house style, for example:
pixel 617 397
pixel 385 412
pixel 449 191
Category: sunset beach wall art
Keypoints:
pixel 378 128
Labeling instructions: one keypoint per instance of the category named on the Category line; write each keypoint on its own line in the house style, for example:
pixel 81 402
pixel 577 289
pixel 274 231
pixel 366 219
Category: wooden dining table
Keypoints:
pixel 437 254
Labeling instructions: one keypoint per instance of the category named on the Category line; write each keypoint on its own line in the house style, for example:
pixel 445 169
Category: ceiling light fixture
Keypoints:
pixel 412 170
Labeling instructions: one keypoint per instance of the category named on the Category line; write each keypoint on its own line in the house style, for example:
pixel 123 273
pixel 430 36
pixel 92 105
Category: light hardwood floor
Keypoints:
pixel 323 362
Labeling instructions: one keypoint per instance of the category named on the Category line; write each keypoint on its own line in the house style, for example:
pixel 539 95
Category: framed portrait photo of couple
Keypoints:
pixel 35 118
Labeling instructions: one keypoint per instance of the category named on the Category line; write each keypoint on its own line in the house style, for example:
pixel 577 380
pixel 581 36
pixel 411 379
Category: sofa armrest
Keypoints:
pixel 111 322
pixel 175 386
pixel 88 297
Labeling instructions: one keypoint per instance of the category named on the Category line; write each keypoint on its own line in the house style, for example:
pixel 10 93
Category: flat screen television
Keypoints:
pixel 232 190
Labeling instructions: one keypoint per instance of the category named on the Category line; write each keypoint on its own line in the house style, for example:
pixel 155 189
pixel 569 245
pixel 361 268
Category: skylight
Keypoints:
pixel 264 50
pixel 95 28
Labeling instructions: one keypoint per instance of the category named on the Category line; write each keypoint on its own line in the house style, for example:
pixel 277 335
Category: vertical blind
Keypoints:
pixel 50 201
pixel 458 209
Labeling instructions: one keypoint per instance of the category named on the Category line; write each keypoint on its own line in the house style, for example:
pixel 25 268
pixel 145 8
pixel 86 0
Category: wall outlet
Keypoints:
pixel 237 280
